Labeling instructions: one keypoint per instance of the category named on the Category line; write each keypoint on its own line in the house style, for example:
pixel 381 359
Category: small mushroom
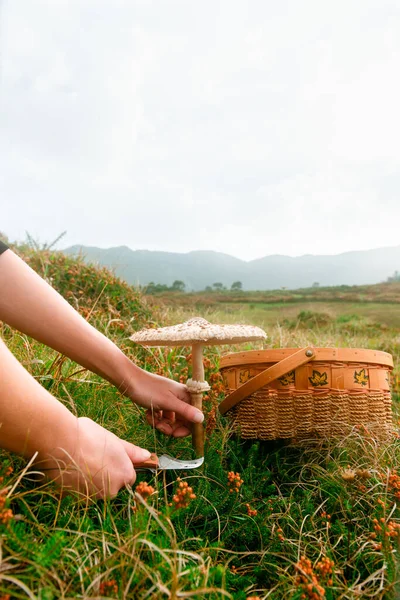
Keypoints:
pixel 197 333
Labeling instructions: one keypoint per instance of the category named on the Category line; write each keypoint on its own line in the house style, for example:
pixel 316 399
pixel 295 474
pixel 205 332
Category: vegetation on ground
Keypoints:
pixel 260 520
pixel 388 291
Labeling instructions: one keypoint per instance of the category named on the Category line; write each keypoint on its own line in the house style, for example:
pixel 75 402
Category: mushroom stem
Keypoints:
pixel 197 362
pixel 197 398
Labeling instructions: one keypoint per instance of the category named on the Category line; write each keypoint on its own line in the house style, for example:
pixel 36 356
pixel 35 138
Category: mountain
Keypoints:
pixel 199 269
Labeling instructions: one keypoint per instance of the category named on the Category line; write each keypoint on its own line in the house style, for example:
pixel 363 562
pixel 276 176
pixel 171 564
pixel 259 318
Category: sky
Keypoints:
pixel 250 127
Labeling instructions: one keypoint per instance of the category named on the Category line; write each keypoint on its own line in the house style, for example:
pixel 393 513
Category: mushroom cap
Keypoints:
pixel 198 331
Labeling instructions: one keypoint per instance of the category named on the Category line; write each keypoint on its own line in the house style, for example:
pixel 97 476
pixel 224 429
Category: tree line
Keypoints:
pixel 180 286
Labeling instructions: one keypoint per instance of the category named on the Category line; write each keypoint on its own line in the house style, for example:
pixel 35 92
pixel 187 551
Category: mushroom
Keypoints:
pixel 198 332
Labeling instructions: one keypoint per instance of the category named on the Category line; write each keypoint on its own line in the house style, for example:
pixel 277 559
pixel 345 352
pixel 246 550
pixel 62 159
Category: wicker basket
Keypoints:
pixel 292 393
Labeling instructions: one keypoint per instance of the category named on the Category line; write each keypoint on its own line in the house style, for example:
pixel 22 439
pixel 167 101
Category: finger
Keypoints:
pixel 160 424
pixel 169 416
pixel 184 410
pixel 153 416
pixel 150 418
pixel 157 414
pixel 181 431
pixel 176 428
pixel 135 453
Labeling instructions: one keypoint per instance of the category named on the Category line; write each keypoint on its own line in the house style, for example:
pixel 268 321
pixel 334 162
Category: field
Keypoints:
pixel 313 520
pixel 271 314
pixel 378 303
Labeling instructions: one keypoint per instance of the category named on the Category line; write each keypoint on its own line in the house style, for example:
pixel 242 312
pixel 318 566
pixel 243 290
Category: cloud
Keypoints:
pixel 250 128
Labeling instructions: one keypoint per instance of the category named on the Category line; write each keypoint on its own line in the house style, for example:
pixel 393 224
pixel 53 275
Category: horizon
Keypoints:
pixel 228 254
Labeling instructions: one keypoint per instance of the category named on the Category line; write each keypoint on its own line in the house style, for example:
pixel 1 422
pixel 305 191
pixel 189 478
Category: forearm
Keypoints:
pixel 29 304
pixel 31 420
pixel 32 306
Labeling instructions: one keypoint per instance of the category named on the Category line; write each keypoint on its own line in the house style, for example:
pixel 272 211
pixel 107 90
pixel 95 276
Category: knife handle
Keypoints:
pixel 150 463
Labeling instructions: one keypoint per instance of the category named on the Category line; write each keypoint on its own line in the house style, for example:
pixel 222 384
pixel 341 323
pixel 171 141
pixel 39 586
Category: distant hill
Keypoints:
pixel 199 269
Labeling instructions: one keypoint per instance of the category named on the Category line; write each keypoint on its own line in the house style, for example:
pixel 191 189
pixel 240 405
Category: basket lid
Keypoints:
pixel 357 355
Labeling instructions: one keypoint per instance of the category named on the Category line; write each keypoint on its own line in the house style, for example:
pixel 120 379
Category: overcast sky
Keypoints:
pixel 251 127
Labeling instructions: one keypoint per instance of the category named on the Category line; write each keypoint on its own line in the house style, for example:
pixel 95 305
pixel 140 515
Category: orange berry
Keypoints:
pixel 144 489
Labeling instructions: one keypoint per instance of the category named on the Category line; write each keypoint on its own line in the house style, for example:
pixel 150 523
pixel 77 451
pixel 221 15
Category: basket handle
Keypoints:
pixel 279 369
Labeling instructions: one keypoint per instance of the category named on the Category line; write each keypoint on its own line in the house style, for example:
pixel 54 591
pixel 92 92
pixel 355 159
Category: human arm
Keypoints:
pixel 80 454
pixel 30 305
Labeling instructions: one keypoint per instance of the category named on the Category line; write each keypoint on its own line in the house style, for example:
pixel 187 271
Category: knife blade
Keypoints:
pixel 165 462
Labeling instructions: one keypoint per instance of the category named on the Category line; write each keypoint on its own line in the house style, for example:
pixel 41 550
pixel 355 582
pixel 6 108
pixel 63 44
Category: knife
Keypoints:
pixel 161 463
pixel 165 462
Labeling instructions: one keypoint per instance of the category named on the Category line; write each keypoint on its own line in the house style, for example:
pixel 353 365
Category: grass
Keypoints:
pixel 316 520
pixel 259 311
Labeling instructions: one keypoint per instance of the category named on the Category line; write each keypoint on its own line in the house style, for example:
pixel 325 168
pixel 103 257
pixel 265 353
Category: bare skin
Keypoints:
pixel 32 420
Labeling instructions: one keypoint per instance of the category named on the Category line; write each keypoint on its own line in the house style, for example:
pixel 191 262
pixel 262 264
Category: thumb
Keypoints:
pixel 135 453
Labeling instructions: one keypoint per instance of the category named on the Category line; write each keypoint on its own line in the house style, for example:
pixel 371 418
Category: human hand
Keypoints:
pixel 100 465
pixel 167 402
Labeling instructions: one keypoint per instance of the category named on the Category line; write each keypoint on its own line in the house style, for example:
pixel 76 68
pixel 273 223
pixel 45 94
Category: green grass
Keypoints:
pixel 56 547
pixel 271 314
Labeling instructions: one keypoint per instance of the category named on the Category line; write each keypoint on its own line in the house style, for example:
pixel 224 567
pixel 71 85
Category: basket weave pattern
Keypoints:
pixel 325 398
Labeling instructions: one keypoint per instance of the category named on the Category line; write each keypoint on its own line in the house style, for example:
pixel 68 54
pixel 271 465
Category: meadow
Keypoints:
pixel 273 520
